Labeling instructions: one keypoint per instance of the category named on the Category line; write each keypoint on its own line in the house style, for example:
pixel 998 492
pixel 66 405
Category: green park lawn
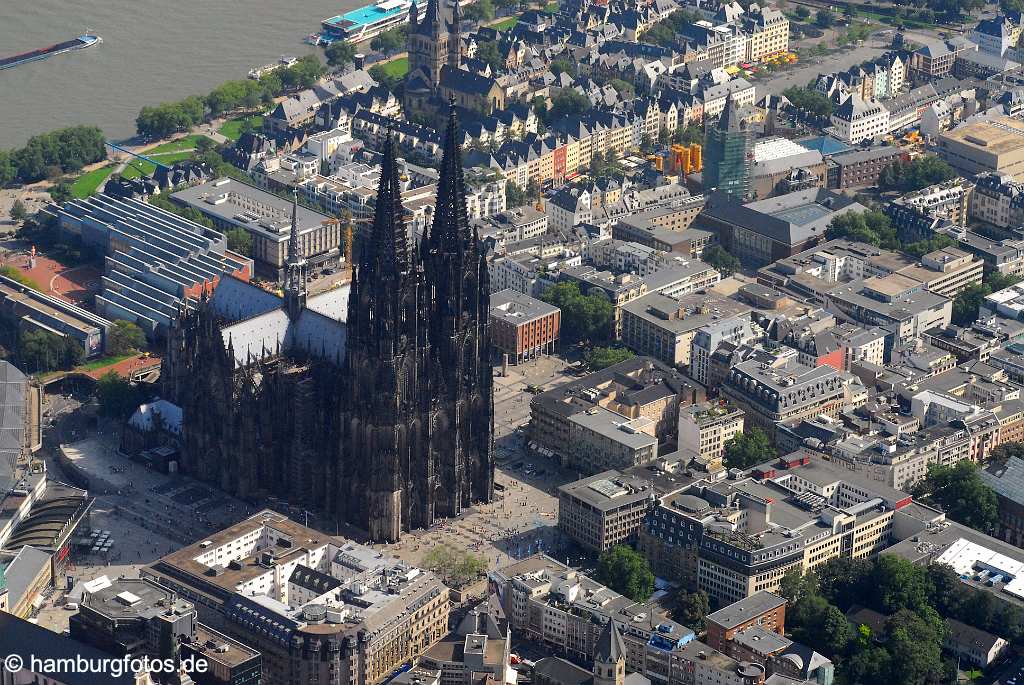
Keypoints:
pixel 105 361
pixel 396 67
pixel 232 129
pixel 505 24
pixel 86 184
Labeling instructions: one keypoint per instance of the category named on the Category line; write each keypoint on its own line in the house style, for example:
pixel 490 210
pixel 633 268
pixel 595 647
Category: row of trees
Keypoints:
pixel 51 154
pixel 162 120
pixel 722 260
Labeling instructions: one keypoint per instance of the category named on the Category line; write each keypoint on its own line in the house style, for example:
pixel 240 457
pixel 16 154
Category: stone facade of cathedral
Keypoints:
pixel 373 409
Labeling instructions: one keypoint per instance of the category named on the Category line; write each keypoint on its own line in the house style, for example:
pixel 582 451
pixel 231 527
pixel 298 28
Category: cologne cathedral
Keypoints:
pixel 371 404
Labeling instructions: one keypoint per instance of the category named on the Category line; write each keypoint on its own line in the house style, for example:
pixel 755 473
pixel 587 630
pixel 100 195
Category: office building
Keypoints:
pixel 522 327
pixel 736 538
pixel 603 510
pixel 267 218
pixel 987 145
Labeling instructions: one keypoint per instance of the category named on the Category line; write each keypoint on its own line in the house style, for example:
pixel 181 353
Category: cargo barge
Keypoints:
pixel 85 41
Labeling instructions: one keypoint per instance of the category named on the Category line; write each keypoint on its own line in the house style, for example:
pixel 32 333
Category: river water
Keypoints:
pixel 153 51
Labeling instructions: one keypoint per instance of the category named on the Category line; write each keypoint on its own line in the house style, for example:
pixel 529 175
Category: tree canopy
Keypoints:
pixel 117 396
pixel 584 317
pixel 41 351
pixel 340 53
pixel 567 103
pixel 962 494
pixel 809 100
pixel 63 151
pixel 747 449
pixel 457 569
pixel 872 227
pixel 239 241
pixel 125 337
pixel 627 572
pixel 598 358
pixel 722 260
pixel 923 247
pixel 922 172
pixel 967 303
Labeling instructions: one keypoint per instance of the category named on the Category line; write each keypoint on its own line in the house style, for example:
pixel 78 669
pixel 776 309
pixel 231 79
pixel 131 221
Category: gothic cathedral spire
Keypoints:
pixel 295 278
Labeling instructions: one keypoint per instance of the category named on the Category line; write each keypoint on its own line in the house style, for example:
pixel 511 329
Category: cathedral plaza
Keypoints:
pixel 525 510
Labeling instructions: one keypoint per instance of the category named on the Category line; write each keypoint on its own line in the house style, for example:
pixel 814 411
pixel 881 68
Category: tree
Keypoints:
pixel 1007 451
pixel 923 247
pixel 117 397
pixel 455 568
pixel 626 90
pixel 567 103
pixel 802 13
pixel 239 241
pixel 598 358
pixel 340 53
pixel 842 580
pixel 824 18
pixel 18 212
pixel 390 41
pixel 915 644
pixel 967 303
pixel 720 259
pixel 481 10
pixel 125 337
pixel 60 192
pixel 872 227
pixel 747 449
pixel 962 494
pixel 489 53
pixel 820 625
pixel 922 172
pixel 895 584
pixel 692 609
pixel 514 195
pixel 809 100
pixel 584 317
pixel 627 572
pixel 562 65
pixel 41 351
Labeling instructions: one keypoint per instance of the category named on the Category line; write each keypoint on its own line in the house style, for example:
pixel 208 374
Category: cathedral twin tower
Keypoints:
pixel 419 400
pixel 385 421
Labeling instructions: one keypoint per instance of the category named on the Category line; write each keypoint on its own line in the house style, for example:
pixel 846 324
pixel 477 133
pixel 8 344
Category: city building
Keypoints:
pixel 986 145
pixel 1007 481
pixel 665 327
pixel 603 510
pixel 784 391
pixel 566 611
pixel 705 428
pixel 736 538
pixel 640 387
pixel 522 327
pixel 857 119
pixel 900 305
pixel 154 261
pixel 601 439
pixel 317 607
pixel 478 650
pixel 267 218
pixel 759 233
pixel 27 309
pixel 762 609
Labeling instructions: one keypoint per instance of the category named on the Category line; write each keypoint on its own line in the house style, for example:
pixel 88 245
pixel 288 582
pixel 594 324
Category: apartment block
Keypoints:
pixel 603 510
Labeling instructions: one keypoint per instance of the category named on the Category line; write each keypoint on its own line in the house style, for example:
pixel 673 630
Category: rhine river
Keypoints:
pixel 152 51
